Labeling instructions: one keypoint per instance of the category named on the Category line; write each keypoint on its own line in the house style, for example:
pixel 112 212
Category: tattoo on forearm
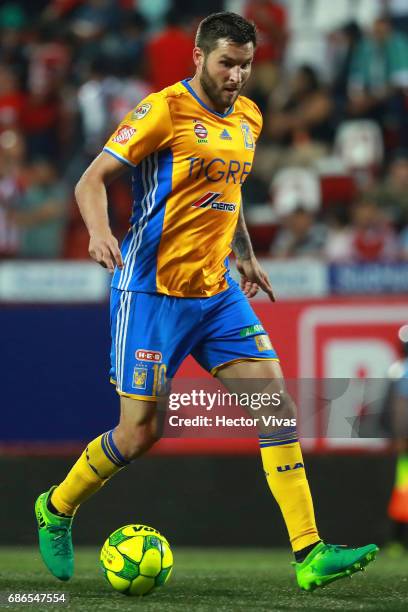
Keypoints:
pixel 241 243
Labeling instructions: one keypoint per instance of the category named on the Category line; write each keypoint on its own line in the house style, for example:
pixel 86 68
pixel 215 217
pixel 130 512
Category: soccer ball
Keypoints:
pixel 136 559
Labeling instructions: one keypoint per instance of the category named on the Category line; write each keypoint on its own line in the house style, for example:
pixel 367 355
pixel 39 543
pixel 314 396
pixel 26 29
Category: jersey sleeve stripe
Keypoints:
pixel 119 157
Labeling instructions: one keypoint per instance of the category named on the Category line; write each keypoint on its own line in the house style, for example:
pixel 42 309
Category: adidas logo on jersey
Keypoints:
pixel 225 135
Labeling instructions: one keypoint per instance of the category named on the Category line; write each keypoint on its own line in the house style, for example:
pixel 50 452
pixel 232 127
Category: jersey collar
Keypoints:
pixel 187 85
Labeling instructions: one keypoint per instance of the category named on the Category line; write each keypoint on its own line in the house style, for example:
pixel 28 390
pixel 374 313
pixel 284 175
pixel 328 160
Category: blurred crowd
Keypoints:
pixel 330 179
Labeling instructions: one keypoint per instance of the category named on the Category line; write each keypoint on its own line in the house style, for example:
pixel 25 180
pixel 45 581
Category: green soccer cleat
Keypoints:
pixel 329 562
pixel 54 533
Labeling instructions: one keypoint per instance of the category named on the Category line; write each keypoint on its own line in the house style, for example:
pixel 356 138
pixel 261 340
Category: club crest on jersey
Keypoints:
pixel 124 134
pixel 201 132
pixel 139 378
pixel 249 141
pixel 209 200
pixel 263 343
pixel 141 111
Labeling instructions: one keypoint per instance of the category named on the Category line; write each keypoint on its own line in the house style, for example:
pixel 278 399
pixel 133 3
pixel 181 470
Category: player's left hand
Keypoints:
pixel 254 278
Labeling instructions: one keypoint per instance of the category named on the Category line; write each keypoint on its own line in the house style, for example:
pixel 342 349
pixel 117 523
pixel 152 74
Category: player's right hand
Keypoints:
pixel 104 248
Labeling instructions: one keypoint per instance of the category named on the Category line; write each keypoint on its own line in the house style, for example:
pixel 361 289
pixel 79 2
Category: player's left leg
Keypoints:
pixel 316 563
pixel 279 448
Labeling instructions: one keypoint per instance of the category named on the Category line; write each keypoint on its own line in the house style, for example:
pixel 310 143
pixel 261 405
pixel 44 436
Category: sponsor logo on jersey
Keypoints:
pixel 139 378
pixel 201 132
pixel 263 343
pixel 147 355
pixel 218 169
pixel 225 135
pixel 249 141
pixel 251 330
pixel 210 200
pixel 141 111
pixel 124 134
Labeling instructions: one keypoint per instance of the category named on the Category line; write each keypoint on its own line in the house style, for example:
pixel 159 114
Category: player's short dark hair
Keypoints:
pixel 224 25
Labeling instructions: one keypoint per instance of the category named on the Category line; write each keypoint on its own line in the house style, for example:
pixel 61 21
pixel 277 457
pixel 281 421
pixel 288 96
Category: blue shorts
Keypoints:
pixel 152 334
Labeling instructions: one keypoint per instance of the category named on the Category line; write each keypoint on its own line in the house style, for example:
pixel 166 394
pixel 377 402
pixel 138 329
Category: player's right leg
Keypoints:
pixel 151 335
pixel 136 432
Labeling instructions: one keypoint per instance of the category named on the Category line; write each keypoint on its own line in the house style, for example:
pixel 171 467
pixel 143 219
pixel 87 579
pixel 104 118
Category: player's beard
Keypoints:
pixel 215 92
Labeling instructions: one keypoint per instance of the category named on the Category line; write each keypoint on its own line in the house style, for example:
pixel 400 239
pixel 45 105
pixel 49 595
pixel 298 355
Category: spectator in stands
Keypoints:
pixel 12 15
pixel 40 122
pixel 59 10
pixel 342 44
pixel 312 21
pixel 197 9
pixel 125 92
pixel 297 128
pixel 49 115
pixel 378 76
pixel 12 41
pixel 154 12
pixel 49 60
pixel 12 99
pixel 9 197
pixel 42 213
pixel 103 101
pixel 174 42
pixel 299 236
pixel 403 244
pixel 392 194
pixel 305 115
pixel 337 248
pixel 270 18
pixel 94 17
pixel 131 38
pixel 94 105
pixel 398 11
pixel 370 238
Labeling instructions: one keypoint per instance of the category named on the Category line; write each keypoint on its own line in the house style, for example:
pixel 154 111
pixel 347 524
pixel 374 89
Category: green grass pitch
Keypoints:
pixel 210 580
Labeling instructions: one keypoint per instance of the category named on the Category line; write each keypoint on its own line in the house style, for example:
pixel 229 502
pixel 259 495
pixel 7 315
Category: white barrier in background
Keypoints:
pixel 56 281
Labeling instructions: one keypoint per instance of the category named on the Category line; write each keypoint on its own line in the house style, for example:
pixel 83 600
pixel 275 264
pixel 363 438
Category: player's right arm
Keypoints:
pixel 145 129
pixel 92 200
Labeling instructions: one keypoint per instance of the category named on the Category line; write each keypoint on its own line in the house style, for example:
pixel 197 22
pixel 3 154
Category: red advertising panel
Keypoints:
pixel 335 338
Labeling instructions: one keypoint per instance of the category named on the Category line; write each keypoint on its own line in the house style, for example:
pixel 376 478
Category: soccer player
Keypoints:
pixel 396 424
pixel 189 148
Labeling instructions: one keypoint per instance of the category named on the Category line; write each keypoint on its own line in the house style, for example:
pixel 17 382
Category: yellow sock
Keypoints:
pixel 100 460
pixel 283 464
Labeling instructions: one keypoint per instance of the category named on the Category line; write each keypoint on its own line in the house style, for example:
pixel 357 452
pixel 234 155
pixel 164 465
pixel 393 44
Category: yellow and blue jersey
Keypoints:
pixel 188 166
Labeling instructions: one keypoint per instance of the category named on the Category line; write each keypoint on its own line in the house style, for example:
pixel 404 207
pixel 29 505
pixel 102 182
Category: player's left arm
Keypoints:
pixel 253 277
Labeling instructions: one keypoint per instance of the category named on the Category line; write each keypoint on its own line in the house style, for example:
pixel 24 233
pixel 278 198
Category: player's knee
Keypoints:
pixel 135 441
pixel 272 419
pixel 286 407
